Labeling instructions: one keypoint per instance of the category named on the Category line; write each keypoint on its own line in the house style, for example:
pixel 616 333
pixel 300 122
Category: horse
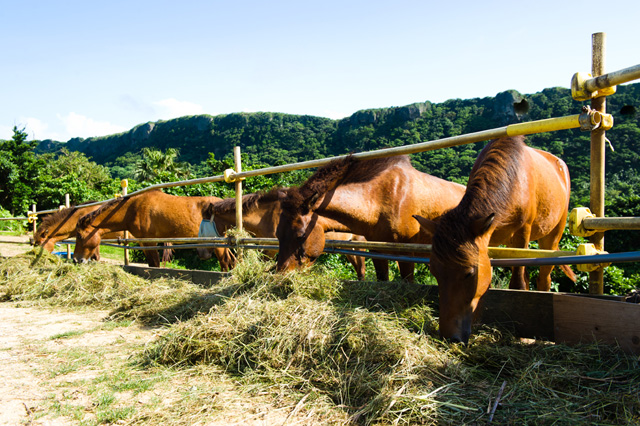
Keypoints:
pixel 515 194
pixel 151 214
pixel 61 225
pixel 374 198
pixel 260 213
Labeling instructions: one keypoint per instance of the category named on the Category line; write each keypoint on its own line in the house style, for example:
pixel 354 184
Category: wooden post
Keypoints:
pixel 124 184
pixel 238 161
pixel 67 204
pixel 596 278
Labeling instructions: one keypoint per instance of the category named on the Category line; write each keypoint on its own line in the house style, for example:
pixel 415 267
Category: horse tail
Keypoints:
pixel 167 253
pixel 568 272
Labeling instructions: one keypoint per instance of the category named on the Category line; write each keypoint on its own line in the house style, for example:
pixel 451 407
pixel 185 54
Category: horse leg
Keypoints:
pixel 225 258
pixel 406 271
pixel 153 258
pixel 358 265
pixel 551 241
pixel 520 240
pixel 382 269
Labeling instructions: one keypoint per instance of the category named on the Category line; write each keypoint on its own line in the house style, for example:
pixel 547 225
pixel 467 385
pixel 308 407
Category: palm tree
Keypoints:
pixel 157 166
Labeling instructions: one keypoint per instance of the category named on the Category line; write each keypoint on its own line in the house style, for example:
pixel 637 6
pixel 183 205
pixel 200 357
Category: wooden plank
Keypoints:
pixel 582 320
pixel 526 313
pixel 205 278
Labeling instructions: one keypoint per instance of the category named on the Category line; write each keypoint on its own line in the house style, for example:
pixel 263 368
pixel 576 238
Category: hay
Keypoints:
pixel 369 350
pixel 372 350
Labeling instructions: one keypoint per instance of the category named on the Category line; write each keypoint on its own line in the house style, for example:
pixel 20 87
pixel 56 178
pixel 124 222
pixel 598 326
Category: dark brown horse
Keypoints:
pixel 515 194
pixel 151 214
pixel 61 225
pixel 373 198
pixel 260 214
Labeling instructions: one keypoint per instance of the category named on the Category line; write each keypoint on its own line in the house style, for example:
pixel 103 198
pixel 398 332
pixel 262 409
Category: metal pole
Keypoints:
pixel 67 204
pixel 35 220
pixel 596 278
pixel 124 183
pixel 238 161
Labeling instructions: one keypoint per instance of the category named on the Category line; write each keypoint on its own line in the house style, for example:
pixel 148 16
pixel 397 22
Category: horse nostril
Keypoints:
pixel 458 339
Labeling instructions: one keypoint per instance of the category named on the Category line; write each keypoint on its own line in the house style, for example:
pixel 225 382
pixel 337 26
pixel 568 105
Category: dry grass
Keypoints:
pixel 360 353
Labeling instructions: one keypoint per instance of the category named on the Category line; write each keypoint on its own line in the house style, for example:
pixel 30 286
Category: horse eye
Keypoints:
pixel 470 273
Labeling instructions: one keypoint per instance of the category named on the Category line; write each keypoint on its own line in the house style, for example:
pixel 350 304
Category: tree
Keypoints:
pixel 72 173
pixel 19 172
pixel 156 166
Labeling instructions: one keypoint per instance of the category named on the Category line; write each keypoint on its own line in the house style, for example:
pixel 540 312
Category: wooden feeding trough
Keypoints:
pixel 565 318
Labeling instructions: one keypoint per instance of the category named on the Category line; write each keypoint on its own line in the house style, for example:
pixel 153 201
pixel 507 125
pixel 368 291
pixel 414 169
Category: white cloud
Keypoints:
pixel 36 129
pixel 335 115
pixel 6 132
pixel 173 108
pixel 78 125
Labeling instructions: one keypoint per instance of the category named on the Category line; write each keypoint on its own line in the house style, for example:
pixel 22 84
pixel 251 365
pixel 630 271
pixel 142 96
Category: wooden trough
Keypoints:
pixel 565 317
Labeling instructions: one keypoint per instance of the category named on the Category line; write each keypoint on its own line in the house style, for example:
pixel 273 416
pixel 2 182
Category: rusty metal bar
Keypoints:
pixel 596 278
pixel 612 223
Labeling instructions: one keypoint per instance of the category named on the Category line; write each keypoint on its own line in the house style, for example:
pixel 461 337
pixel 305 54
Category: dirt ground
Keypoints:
pixel 38 343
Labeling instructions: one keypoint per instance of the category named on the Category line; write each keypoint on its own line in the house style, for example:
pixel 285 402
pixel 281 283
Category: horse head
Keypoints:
pixel 301 240
pixel 87 239
pixel 461 265
pixel 42 238
pixel 300 237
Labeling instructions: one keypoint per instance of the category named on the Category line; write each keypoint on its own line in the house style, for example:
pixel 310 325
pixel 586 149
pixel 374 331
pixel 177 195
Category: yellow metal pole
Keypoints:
pixel 124 184
pixel 35 220
pixel 596 278
pixel 67 204
pixel 238 182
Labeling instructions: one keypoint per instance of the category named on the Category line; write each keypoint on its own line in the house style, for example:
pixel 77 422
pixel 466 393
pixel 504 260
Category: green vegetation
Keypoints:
pixel 331 351
pixel 199 146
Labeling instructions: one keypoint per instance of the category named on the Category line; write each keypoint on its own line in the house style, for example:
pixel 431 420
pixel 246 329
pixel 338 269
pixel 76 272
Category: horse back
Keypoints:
pixel 540 197
pixel 156 214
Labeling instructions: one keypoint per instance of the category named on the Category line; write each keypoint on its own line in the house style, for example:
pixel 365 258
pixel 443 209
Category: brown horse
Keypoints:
pixel 61 225
pixel 515 194
pixel 260 214
pixel 151 214
pixel 373 198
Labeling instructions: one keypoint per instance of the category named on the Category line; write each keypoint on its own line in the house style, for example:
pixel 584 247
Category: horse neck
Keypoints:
pixel 65 226
pixel 260 220
pixel 337 211
pixel 113 217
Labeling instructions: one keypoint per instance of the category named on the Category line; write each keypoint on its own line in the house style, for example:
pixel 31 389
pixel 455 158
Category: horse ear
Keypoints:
pixel 427 225
pixel 282 194
pixel 311 201
pixel 206 211
pixel 482 225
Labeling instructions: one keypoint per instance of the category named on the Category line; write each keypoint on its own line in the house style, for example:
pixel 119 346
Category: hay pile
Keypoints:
pixel 366 349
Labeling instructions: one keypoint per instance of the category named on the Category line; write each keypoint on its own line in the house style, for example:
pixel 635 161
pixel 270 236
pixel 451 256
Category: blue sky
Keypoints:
pixel 84 68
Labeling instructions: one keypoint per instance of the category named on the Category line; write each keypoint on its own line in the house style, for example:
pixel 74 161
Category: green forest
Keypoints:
pixel 42 172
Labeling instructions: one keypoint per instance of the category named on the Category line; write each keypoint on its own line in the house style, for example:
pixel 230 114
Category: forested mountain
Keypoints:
pixel 274 138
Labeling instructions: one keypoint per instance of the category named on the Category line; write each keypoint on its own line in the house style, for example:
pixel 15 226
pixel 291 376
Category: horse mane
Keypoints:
pixel 249 201
pixel 489 191
pixel 86 220
pixel 58 216
pixel 340 172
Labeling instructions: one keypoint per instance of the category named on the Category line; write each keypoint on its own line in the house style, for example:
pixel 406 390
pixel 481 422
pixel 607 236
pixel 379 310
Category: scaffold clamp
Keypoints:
pixel 576 222
pixel 591 120
pixel 579 90
pixel 230 176
pixel 590 250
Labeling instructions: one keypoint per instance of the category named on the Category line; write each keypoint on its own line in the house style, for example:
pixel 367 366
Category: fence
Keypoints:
pixel 593 119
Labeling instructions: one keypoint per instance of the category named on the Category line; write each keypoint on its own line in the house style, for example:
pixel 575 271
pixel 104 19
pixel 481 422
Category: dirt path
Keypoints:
pixel 27 345
pixel 63 368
